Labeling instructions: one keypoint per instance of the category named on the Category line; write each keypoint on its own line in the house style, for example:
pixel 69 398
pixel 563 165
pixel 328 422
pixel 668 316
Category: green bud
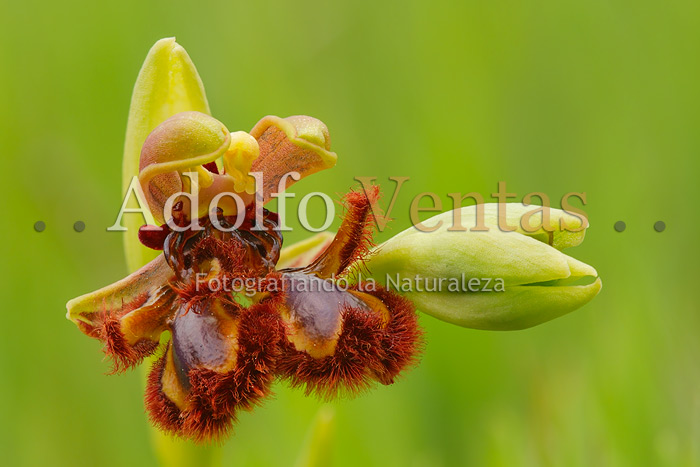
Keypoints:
pixel 523 278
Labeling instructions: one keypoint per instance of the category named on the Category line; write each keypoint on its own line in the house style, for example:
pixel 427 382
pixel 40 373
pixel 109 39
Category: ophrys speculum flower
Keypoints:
pixel 300 325
pixel 297 321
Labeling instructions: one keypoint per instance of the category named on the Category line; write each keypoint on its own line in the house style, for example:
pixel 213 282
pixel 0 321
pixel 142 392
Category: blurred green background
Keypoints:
pixel 548 95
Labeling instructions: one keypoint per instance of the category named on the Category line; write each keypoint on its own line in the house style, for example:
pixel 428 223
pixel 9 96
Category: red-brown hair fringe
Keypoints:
pixel 402 337
pixel 353 241
pixel 162 412
pixel 361 223
pixel 123 355
pixel 214 398
pixel 347 371
pixel 367 350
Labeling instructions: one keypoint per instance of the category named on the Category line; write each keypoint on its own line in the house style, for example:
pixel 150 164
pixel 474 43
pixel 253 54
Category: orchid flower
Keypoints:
pixel 223 356
pixel 219 352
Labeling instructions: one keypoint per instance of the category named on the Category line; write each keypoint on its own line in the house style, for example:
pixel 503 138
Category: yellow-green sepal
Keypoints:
pixel 167 84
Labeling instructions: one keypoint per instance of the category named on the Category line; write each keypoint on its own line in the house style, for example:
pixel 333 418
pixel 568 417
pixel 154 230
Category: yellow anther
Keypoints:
pixel 238 160
pixel 205 177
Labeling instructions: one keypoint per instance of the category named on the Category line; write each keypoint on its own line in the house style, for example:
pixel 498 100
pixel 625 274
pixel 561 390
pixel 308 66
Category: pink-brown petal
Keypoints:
pixel 179 144
pixel 293 144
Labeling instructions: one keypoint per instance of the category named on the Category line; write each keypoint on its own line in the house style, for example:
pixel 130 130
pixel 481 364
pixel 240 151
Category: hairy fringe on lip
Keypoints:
pixel 162 412
pixel 214 398
pixel 402 338
pixel 367 350
pixel 123 355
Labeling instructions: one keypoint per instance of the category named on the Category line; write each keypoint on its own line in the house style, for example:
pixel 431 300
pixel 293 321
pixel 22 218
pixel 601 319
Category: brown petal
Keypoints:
pixel 179 144
pixel 293 144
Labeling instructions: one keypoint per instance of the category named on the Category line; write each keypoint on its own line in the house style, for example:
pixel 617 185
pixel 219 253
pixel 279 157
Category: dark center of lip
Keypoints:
pixel 316 304
pixel 197 341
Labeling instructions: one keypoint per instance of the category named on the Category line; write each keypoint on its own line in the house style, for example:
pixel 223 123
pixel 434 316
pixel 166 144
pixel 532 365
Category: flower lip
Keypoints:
pixel 203 338
pixel 315 304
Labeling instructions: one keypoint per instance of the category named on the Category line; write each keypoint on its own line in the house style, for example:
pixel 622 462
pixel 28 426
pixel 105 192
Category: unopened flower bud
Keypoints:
pixel 490 279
